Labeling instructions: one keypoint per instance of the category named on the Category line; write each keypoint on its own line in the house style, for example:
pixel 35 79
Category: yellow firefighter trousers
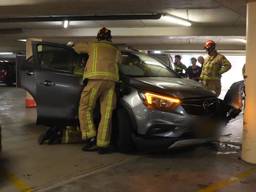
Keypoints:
pixel 104 90
pixel 213 85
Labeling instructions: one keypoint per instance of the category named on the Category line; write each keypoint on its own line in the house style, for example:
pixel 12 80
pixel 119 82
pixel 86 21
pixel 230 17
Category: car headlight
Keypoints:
pixel 160 102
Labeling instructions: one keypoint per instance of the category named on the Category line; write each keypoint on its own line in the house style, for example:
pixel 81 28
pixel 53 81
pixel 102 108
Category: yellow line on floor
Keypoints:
pixel 20 185
pixel 226 182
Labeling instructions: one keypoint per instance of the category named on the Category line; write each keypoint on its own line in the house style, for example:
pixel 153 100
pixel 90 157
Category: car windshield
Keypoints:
pixel 142 65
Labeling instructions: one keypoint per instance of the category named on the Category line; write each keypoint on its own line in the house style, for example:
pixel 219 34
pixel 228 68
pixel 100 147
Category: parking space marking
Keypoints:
pixel 226 182
pixel 20 185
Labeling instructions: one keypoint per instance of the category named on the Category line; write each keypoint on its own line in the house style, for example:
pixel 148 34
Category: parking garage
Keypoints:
pixel 169 132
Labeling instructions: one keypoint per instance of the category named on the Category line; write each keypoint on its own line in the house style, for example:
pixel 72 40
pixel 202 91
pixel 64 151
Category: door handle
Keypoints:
pixel 30 73
pixel 48 83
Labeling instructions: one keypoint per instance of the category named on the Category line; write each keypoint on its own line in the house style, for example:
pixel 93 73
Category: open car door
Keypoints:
pixel 57 83
pixel 26 74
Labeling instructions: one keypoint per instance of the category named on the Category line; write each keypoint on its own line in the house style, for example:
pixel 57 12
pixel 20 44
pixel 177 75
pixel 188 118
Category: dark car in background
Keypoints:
pixel 8 72
pixel 156 108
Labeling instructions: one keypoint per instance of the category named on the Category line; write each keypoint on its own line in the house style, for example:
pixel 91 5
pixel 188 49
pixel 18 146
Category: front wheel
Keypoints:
pixel 124 132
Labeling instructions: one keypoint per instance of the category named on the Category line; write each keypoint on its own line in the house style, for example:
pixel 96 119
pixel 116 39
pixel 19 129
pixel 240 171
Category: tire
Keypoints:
pixel 124 140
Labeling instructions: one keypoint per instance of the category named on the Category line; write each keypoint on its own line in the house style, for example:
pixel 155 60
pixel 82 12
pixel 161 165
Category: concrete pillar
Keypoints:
pixel 249 133
pixel 29 51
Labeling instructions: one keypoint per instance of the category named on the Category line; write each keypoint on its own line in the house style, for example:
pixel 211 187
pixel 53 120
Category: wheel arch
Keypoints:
pixel 129 111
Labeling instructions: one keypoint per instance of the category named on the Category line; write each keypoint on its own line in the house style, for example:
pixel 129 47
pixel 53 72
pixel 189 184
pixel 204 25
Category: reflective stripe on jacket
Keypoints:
pixel 103 61
pixel 214 67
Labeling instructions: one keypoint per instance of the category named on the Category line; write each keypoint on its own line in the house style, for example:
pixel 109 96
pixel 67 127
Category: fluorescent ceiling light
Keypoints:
pixel 6 53
pixel 241 40
pixel 157 52
pixel 22 40
pixel 65 24
pixel 5 61
pixel 1 61
pixel 182 37
pixel 176 20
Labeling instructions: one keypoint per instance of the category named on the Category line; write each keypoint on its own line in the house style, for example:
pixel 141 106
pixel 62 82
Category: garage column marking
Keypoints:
pixel 19 184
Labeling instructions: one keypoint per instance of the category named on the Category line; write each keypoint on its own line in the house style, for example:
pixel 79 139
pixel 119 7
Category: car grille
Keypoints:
pixel 202 106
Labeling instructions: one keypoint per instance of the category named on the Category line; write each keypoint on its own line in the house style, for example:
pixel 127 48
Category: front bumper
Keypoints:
pixel 163 143
pixel 167 126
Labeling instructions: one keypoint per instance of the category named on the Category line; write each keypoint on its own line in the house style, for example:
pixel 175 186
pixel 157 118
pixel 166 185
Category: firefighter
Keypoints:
pixel 179 67
pixel 214 66
pixel 100 73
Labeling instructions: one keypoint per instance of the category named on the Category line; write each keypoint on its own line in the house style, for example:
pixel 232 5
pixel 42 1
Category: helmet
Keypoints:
pixel 210 44
pixel 104 34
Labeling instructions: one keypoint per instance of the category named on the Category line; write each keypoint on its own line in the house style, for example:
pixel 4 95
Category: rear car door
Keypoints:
pixel 58 84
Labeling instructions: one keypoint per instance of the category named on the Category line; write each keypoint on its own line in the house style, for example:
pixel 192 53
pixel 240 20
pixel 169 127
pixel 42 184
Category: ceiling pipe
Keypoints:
pixel 10 31
pixel 176 20
pixel 81 18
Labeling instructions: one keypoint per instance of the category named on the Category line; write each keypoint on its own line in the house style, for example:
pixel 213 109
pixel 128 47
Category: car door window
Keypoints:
pixel 142 65
pixel 29 64
pixel 56 58
pixel 130 66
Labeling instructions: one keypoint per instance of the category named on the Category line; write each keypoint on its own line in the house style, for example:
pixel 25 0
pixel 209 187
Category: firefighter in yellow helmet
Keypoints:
pixel 101 71
pixel 214 66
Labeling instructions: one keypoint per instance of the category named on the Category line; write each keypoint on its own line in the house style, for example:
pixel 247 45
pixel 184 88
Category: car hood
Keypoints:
pixel 177 87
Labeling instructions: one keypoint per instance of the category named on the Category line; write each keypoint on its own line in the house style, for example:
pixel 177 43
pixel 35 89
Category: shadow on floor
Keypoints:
pixel 196 151
pixel 3 173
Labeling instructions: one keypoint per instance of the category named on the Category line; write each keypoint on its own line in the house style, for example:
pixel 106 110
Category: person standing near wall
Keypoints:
pixel 243 71
pixel 179 67
pixel 200 60
pixel 214 66
pixel 193 71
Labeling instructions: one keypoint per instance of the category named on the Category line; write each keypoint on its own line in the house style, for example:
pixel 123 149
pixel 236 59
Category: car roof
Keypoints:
pixel 133 52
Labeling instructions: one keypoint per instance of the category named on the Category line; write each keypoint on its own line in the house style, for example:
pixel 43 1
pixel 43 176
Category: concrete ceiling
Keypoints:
pixel 87 7
pixel 217 19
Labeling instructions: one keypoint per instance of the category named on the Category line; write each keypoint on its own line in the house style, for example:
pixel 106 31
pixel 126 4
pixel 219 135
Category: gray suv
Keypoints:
pixel 156 107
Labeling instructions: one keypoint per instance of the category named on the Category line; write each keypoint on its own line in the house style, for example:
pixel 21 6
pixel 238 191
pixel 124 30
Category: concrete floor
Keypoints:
pixel 27 166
